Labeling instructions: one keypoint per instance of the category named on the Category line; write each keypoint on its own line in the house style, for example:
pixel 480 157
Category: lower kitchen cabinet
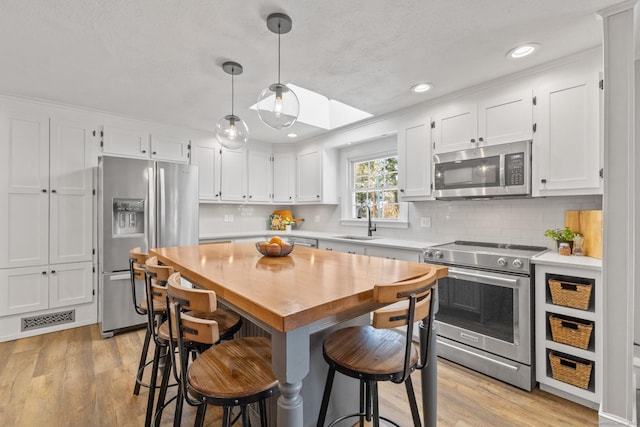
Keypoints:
pixel 49 296
pixel 568 313
pixel 392 253
pixel 351 248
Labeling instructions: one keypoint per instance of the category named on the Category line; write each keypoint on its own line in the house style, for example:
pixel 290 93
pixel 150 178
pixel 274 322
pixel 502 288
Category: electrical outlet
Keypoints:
pixel 425 222
pixel 316 218
pixel 228 218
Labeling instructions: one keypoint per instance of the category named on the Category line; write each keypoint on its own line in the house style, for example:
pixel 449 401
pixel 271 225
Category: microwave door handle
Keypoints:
pixel 502 171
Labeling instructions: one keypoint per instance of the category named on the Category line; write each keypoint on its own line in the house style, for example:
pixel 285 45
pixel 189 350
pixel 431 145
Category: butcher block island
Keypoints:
pixel 298 299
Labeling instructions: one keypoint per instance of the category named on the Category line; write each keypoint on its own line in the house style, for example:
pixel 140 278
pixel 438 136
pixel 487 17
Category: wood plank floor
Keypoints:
pixel 77 378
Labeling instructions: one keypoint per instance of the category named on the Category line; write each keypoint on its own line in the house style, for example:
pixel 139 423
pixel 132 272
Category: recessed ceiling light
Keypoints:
pixel 421 87
pixel 523 50
pixel 292 135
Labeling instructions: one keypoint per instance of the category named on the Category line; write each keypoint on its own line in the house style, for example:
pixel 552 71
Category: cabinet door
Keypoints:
pixel 169 149
pixel 70 284
pixel 233 181
pixel 284 177
pixel 24 290
pixel 341 247
pixel 260 176
pixel 401 254
pixel 309 176
pixel 71 198
pixel 506 117
pixel 456 128
pixel 126 142
pixel 414 162
pixel 567 146
pixel 24 188
pixel 206 155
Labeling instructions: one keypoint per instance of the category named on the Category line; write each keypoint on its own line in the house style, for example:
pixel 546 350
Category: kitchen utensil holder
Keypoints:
pixel 569 294
pixel 570 332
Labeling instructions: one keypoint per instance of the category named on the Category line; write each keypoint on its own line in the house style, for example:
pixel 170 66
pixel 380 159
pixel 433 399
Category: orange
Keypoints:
pixel 276 239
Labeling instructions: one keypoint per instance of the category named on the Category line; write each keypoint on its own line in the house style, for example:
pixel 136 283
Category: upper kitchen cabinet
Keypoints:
pixel 316 175
pixel 567 149
pixel 490 118
pixel 284 177
pixel 47 189
pixel 259 173
pixel 414 160
pixel 205 153
pixel 140 142
pixel 233 175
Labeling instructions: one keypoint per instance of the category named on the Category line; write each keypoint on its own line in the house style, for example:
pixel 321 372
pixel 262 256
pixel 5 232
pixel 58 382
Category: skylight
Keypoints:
pixel 319 111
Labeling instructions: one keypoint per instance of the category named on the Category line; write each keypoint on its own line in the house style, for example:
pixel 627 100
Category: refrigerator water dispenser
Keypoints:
pixel 128 216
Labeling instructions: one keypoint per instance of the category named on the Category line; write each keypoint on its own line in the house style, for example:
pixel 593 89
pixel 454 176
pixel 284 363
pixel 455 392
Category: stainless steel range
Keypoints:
pixel 485 316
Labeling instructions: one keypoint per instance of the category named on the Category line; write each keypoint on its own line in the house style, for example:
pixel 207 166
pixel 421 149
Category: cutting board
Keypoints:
pixel 589 224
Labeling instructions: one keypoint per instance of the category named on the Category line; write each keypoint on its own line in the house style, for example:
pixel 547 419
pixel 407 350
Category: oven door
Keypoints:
pixel 487 310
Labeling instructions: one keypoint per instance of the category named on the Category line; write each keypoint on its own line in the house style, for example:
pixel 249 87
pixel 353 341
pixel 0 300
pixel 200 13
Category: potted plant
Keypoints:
pixel 561 235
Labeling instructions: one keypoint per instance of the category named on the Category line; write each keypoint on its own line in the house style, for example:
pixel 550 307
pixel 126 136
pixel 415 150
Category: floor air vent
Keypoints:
pixel 46 320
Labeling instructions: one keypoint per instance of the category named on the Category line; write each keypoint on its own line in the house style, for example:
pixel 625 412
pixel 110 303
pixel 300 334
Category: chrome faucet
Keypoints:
pixel 370 227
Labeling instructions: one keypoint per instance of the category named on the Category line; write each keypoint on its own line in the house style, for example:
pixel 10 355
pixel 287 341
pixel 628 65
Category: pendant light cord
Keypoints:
pixel 232 94
pixel 279 25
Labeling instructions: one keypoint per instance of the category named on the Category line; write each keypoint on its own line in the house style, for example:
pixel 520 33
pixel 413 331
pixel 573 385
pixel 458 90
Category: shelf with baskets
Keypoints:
pixel 569 332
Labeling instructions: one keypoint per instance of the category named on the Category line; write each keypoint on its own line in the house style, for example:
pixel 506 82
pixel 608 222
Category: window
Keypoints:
pixel 375 184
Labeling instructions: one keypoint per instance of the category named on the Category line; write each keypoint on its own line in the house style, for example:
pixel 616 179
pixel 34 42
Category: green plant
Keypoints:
pixel 560 234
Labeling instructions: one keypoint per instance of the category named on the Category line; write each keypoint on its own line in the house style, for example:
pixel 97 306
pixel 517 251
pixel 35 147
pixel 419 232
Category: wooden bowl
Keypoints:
pixel 274 249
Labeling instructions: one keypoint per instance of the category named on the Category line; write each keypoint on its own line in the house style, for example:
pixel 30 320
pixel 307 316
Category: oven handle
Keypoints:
pixel 488 359
pixel 502 171
pixel 477 277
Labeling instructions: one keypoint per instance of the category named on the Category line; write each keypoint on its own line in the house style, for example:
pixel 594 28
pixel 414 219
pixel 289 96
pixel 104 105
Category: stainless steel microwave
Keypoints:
pixel 494 171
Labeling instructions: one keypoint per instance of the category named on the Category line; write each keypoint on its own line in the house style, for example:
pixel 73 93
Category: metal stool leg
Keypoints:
pixel 152 386
pixel 143 361
pixel 202 411
pixel 325 397
pixel 412 403
pixel 164 384
pixel 263 413
pixel 376 409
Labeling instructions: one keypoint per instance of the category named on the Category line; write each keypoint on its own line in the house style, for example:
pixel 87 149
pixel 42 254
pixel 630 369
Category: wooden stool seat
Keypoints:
pixel 372 352
pixel 158 307
pixel 233 370
pixel 229 322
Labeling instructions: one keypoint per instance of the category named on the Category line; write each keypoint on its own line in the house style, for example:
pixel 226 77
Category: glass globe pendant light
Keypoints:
pixel 278 106
pixel 231 131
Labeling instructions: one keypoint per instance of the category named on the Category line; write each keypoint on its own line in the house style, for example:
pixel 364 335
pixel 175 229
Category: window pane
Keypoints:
pixel 375 183
pixel 361 168
pixel 361 182
pixel 391 211
pixel 390 196
pixel 392 179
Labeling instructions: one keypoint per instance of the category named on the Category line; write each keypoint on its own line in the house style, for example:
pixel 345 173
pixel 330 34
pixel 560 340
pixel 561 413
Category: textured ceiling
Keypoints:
pixel 161 59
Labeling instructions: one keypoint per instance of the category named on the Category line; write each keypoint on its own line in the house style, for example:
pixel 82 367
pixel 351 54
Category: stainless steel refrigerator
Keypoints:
pixel 141 203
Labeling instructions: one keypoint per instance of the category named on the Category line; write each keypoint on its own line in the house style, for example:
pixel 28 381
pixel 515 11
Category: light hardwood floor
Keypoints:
pixel 77 378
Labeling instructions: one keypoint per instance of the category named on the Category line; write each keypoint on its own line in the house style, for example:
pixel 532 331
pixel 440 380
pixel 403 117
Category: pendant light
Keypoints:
pixel 278 106
pixel 231 131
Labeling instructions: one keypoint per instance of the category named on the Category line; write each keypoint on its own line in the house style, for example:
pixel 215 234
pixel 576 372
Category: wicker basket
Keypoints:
pixel 575 334
pixel 570 371
pixel 570 294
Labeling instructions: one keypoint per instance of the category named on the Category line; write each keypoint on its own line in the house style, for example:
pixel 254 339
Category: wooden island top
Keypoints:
pixel 291 291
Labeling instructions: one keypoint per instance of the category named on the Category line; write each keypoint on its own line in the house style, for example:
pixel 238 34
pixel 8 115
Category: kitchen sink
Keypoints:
pixel 354 237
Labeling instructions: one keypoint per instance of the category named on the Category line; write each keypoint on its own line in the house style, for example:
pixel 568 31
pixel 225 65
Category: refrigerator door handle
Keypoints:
pixel 161 207
pixel 151 209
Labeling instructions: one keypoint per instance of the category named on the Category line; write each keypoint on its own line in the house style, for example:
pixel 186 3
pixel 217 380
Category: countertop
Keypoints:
pixel 415 245
pixel 555 259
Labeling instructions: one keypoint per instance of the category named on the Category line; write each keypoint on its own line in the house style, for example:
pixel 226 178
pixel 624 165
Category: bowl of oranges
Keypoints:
pixel 275 247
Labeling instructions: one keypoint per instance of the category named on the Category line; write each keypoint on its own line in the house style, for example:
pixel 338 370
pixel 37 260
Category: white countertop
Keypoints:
pixel 416 245
pixel 555 259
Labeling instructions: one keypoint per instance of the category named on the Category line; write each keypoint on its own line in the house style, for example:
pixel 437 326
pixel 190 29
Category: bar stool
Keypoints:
pixel 229 322
pixel 231 373
pixel 137 259
pixel 375 353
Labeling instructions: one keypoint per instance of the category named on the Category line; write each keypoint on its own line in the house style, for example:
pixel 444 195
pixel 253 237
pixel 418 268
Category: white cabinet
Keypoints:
pixel 488 119
pixel 169 148
pixel 393 253
pixel 139 142
pixel 316 175
pixel 567 150
pixel 260 174
pixel 206 155
pixel 414 161
pixel 284 177
pixel 47 202
pixel 570 286
pixel 329 245
pixel 233 179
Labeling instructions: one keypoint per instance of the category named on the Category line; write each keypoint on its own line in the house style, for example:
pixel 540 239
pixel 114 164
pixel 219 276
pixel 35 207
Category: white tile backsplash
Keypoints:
pixel 518 221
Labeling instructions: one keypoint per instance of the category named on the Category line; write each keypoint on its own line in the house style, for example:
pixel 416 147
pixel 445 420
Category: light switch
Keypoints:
pixel 425 222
